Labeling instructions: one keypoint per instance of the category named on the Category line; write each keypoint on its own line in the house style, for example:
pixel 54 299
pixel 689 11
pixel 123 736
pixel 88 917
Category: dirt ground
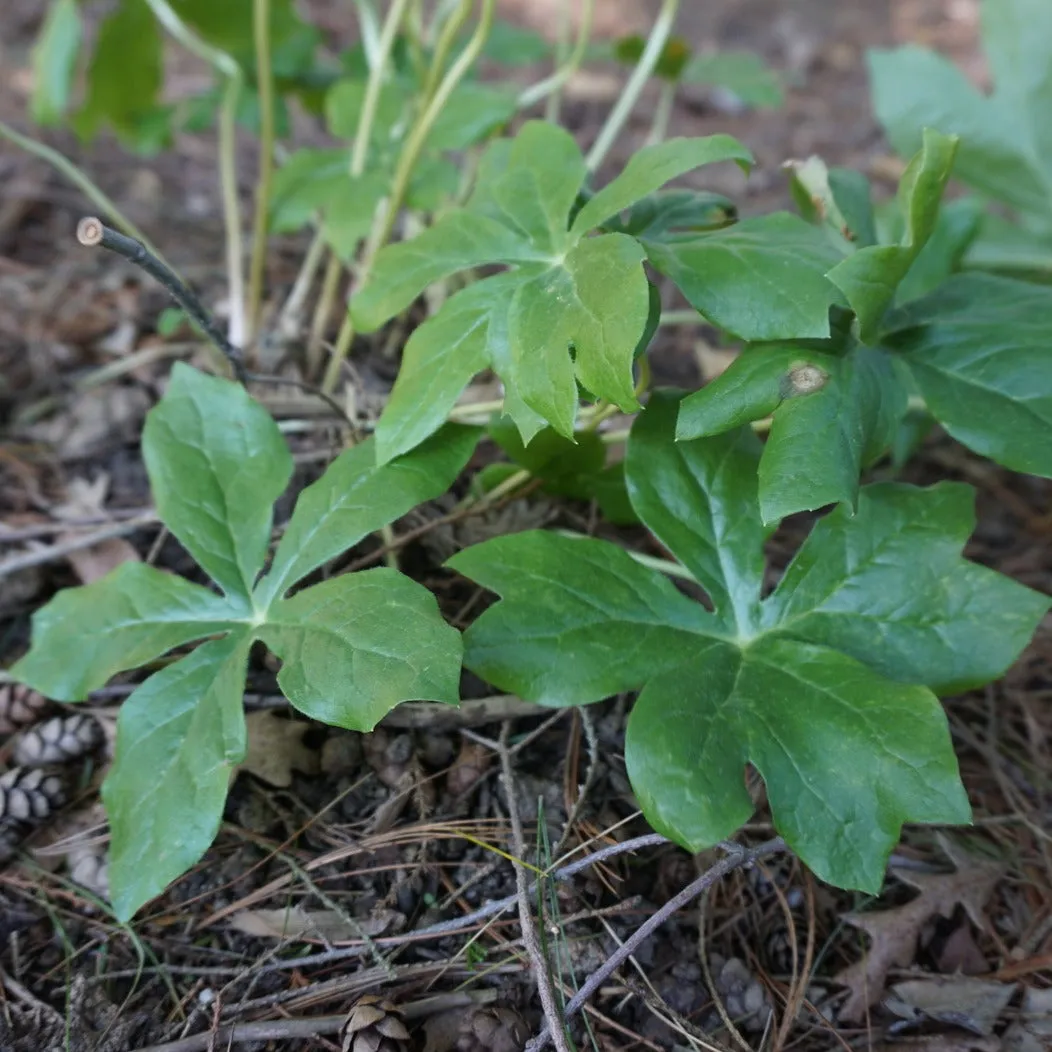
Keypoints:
pixel 336 855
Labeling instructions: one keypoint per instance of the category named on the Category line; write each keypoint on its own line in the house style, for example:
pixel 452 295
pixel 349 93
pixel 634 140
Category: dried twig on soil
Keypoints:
pixel 736 859
pixel 530 938
pixel 91 231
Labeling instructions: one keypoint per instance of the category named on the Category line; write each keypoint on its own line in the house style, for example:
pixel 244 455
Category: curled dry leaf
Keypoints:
pixel 276 749
pixel 86 499
pixel 326 925
pixel 893 933
pixel 972 1004
pixel 492 1028
pixel 471 764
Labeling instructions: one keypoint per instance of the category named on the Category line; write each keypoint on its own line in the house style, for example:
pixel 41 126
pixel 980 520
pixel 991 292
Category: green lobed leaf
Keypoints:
pixel 664 215
pixel 829 698
pixel 1018 251
pixel 1016 36
pixel 914 88
pixel 838 197
pixel 742 72
pixel 135 614
pixel 459 240
pixel 753 386
pixel 978 349
pixel 598 303
pixel 217 462
pixel 55 61
pixel 580 619
pixel 356 496
pixel 355 646
pixel 893 591
pixel 820 441
pixel 955 231
pixel 473 112
pixel 699 499
pixel 651 168
pixel 845 755
pixel 870 277
pixel 125 72
pixel 760 279
pixel 566 466
pixel 179 736
pixel 441 356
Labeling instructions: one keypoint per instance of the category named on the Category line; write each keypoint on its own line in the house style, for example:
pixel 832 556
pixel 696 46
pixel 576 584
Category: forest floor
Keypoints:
pixel 338 849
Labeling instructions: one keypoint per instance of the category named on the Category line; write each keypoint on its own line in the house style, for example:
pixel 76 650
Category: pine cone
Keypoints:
pixel 374 1025
pixel 29 795
pixel 492 1028
pixel 20 706
pixel 58 740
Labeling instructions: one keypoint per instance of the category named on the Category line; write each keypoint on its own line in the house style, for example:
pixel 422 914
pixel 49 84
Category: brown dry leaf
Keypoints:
pixel 276 749
pixel 972 1004
pixel 471 764
pixel 939 1043
pixel 894 932
pixel 84 500
pixel 327 925
pixel 1033 1031
pixel 93 418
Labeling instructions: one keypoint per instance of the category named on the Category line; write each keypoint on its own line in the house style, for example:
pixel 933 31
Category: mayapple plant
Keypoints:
pixel 860 326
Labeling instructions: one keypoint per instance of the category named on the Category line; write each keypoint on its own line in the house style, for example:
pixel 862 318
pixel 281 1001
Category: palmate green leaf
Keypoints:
pixel 838 197
pixel 1006 146
pixel 217 462
pixel 742 72
pixel 664 215
pixel 356 496
pixel 580 620
pixel 570 310
pixel 820 441
pixel 651 168
pixel 870 277
pixel 839 720
pixel 355 646
pixel 125 73
pixel 55 62
pixel 846 755
pixel 753 386
pixel 179 736
pixel 955 231
pixel 700 500
pixel 871 590
pixel 978 350
pixel 138 613
pixel 760 279
pixel 832 415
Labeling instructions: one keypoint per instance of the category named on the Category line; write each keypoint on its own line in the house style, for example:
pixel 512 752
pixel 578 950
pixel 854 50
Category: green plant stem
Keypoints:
pixel 551 86
pixel 81 180
pixel 360 151
pixel 289 318
pixel 369 26
pixel 330 286
pixel 662 113
pixel 689 316
pixel 388 211
pixel 633 88
pixel 231 71
pixel 446 38
pixel 265 79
